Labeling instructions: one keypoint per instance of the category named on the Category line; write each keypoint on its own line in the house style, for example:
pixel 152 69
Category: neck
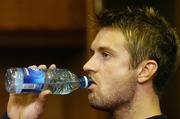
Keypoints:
pixel 144 104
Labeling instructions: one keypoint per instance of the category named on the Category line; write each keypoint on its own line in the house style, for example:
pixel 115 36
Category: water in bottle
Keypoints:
pixel 33 80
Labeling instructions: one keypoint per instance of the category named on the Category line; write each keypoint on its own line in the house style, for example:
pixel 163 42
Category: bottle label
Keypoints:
pixel 34 80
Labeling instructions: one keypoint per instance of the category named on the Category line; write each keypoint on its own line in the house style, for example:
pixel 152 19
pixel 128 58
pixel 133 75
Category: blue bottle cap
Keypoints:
pixel 85 81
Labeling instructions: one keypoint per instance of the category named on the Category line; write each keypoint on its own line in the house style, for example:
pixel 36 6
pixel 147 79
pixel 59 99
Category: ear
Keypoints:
pixel 146 70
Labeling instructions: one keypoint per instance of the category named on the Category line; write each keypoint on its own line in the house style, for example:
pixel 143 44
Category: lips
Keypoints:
pixel 92 84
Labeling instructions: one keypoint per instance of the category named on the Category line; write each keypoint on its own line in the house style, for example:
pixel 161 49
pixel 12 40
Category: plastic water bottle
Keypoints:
pixel 58 81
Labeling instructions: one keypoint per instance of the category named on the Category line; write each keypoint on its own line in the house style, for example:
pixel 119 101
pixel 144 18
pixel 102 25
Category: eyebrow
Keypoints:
pixel 103 48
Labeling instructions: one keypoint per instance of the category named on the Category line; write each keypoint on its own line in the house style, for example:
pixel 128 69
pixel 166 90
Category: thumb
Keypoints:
pixel 41 101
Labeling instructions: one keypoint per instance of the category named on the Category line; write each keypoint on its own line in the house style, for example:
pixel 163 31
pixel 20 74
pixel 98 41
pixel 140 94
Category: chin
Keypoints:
pixel 98 103
pixel 101 108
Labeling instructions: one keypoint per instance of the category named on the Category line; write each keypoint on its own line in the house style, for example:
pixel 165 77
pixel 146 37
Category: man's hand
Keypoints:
pixel 28 106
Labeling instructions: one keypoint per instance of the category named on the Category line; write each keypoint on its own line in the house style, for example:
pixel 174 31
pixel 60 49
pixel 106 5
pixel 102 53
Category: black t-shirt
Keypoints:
pixel 154 117
pixel 158 117
pixel 5 116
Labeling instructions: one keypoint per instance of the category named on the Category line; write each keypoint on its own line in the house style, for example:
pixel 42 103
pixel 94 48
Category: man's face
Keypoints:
pixel 109 67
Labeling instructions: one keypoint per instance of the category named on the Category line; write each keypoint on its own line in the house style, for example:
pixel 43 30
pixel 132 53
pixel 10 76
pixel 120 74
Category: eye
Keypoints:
pixel 106 55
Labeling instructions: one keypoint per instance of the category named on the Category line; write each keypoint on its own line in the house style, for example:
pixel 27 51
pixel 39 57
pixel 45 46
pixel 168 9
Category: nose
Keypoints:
pixel 90 66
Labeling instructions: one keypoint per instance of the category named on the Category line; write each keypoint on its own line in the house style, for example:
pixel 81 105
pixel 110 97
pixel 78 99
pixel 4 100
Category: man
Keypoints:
pixel 135 53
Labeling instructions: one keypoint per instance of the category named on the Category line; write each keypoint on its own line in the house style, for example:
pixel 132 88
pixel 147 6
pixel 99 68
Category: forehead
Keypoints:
pixel 109 37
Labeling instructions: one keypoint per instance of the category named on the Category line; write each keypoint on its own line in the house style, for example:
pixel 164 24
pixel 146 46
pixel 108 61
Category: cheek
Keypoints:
pixel 119 89
pixel 115 73
pixel 118 80
pixel 116 67
pixel 113 76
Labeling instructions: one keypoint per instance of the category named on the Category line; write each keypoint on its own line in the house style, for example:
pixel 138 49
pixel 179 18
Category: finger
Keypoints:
pixel 33 67
pixel 43 95
pixel 41 100
pixel 35 108
pixel 52 66
pixel 42 66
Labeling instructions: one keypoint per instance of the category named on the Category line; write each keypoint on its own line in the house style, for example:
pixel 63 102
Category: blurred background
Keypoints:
pixel 59 31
